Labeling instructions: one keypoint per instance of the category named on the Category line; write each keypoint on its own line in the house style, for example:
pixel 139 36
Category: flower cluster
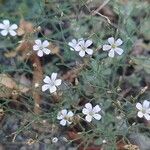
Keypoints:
pixel 91 112
pixel 144 110
pixel 82 47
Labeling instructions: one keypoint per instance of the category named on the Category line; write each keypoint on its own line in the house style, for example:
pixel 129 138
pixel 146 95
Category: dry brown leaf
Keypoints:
pixel 54 49
pixel 25 27
pixel 10 54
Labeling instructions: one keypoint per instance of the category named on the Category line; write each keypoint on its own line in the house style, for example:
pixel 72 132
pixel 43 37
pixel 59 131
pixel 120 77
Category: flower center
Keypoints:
pixel 52 83
pixel 91 113
pixel 144 111
pixel 113 46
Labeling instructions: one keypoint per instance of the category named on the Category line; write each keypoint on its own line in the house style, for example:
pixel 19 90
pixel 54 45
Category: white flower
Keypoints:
pixel 82 47
pixel 51 83
pixel 91 112
pixel 65 117
pixel 74 43
pixel 54 140
pixel 113 47
pixel 7 28
pixel 144 109
pixel 41 47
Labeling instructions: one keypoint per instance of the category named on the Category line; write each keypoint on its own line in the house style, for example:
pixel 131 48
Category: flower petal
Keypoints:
pixel 111 53
pixel 35 47
pixel 85 111
pixel 96 109
pixel 2 26
pixel 64 112
pixel 4 32
pixel 70 114
pixel 77 48
pixel 46 51
pixel 40 53
pixel 6 23
pixel 111 40
pixel 147 116
pixel 38 42
pixel 88 118
pixel 45 43
pixel 82 53
pixel 12 33
pixel 63 122
pixel 97 116
pixel 89 51
pixel 53 76
pixel 139 106
pixel 106 47
pixel 118 50
pixel 140 114
pixel 118 42
pixel 88 43
pixel 47 79
pixel 88 106
pixel 13 27
pixel 81 43
pixel 146 104
pixel 53 89
pixel 58 82
pixel 45 87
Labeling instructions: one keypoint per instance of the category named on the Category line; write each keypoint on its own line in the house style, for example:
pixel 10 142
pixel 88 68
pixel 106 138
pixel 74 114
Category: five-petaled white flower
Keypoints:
pixel 7 28
pixel 144 110
pixel 65 117
pixel 113 47
pixel 82 47
pixel 74 43
pixel 51 83
pixel 41 47
pixel 91 112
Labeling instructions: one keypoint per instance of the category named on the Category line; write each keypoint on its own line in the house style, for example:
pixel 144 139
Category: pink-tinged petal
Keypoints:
pixel 4 32
pixel 118 50
pixel 53 76
pixel 12 33
pixel 74 41
pixel 81 43
pixel 118 42
pixel 46 51
pixel 97 116
pixel 88 118
pixel 2 26
pixel 47 79
pixel 96 109
pixel 77 48
pixel 146 104
pixel 88 43
pixel 38 42
pixel 82 53
pixel 70 114
pixel 58 82
pixel 111 53
pixel 45 43
pixel 88 106
pixel 35 47
pixel 45 87
pixel 139 106
pixel 63 122
pixel 111 40
pixel 85 111
pixel 106 47
pixel 64 112
pixel 147 116
pixel 40 53
pixel 89 51
pixel 6 23
pixel 53 89
pixel 140 114
pixel 13 27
